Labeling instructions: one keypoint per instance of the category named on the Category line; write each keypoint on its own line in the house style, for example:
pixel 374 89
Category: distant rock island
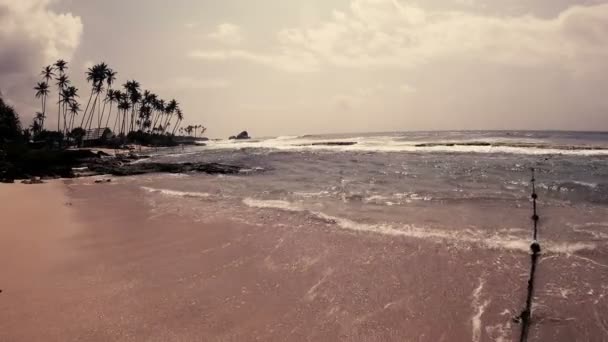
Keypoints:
pixel 241 136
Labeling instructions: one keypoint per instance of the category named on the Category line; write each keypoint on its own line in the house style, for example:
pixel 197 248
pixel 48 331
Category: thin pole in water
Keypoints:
pixel 526 314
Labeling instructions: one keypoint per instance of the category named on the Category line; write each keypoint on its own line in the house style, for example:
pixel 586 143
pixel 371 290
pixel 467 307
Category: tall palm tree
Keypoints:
pixel 62 80
pixel 42 91
pixel 62 83
pixel 47 74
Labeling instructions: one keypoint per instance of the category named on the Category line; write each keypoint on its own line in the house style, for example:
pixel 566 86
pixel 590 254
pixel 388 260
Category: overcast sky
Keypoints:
pixel 290 67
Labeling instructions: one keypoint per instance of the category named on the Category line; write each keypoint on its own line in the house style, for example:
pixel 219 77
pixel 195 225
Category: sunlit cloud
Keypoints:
pixel 399 34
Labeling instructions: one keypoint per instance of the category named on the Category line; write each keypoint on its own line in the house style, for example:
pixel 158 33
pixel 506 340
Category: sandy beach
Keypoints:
pixel 118 262
pixel 93 276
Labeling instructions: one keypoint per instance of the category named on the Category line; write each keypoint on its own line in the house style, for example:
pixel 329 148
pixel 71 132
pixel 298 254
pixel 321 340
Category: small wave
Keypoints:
pixel 271 204
pixel 175 193
pixel 386 144
pixel 494 241
pixel 586 184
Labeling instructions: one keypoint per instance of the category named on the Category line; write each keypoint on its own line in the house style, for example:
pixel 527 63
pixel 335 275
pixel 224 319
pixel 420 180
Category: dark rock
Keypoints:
pixel 241 136
pixel 335 143
pixel 117 168
pixel 99 181
pixel 7 180
pixel 102 154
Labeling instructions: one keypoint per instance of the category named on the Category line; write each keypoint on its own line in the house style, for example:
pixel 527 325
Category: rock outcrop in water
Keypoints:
pixel 117 168
pixel 241 136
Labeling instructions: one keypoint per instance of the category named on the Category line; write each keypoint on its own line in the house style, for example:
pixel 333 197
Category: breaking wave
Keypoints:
pixel 492 241
pixel 175 193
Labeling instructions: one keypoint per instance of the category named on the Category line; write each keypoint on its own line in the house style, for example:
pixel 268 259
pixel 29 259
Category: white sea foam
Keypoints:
pixel 479 308
pixel 586 184
pixel 175 193
pixel 390 144
pixel 468 236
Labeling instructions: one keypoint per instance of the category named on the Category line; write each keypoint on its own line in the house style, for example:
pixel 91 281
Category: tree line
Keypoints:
pixel 135 110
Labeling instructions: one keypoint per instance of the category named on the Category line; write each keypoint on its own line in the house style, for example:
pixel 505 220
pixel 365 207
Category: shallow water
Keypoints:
pixel 467 193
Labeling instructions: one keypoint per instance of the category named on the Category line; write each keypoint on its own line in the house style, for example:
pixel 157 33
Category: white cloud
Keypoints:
pixel 399 34
pixel 32 36
pixel 227 33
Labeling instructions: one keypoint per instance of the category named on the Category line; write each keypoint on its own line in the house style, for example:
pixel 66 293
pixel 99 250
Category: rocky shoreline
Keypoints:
pixel 81 163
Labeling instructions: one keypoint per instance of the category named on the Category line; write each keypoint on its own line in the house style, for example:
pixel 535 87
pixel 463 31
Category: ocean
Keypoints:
pixel 444 219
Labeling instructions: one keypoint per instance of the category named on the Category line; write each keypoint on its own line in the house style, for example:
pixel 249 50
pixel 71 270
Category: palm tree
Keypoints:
pixel 180 117
pixel 74 110
pixel 110 78
pixel 69 95
pixel 62 81
pixel 159 106
pixel 47 75
pixel 42 91
pixel 111 99
pixel 132 90
pixel 96 75
pixel 170 110
pixel 124 105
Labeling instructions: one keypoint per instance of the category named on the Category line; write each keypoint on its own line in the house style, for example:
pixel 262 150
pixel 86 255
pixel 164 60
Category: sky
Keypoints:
pixel 292 67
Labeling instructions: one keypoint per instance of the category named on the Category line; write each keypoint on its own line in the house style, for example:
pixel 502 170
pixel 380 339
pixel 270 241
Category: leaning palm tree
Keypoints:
pixel 42 91
pixel 159 106
pixel 96 75
pixel 180 117
pixel 170 110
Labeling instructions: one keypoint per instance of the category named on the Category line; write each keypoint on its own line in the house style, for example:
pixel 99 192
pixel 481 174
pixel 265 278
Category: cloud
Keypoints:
pixel 185 83
pixel 32 36
pixel 400 34
pixel 227 33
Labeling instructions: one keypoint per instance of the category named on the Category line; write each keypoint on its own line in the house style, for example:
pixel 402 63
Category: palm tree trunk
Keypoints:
pixel 84 114
pixel 59 111
pixel 91 114
pixel 176 126
pixel 159 116
pixel 109 115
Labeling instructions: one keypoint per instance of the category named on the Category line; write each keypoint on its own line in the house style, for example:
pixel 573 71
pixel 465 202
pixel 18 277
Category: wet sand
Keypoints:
pixel 98 263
